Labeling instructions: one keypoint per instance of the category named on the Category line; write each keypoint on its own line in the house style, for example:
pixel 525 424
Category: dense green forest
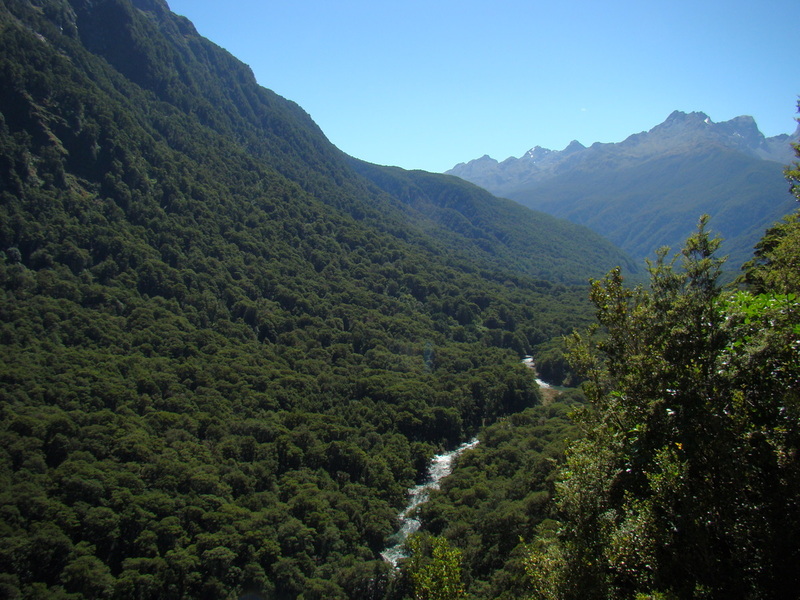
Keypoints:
pixel 499 497
pixel 498 226
pixel 225 353
pixel 227 349
pixel 680 477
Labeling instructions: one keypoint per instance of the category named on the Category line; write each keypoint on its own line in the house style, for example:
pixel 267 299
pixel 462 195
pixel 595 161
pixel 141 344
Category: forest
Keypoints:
pixel 680 478
pixel 227 350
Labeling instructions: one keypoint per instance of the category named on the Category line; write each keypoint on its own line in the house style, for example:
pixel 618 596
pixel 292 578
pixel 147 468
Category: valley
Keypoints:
pixel 228 350
pixel 226 354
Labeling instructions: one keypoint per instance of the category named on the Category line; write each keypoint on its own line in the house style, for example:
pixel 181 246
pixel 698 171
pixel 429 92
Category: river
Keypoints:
pixel 528 362
pixel 440 467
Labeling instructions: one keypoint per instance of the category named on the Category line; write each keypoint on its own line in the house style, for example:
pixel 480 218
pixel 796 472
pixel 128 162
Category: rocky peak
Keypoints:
pixel 743 129
pixel 537 153
pixel 680 132
pixel 694 117
pixel 574 146
pixel 485 160
pixel 680 122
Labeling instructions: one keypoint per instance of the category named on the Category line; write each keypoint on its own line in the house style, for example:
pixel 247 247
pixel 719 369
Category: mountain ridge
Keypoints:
pixel 609 186
pixel 328 172
pixel 740 133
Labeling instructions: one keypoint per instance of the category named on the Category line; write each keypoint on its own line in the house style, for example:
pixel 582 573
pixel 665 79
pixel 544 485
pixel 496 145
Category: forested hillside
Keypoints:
pixel 681 477
pixel 225 354
pixel 527 240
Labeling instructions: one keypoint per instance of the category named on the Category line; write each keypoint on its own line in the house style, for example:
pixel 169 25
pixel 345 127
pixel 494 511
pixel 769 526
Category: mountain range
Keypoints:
pixel 649 190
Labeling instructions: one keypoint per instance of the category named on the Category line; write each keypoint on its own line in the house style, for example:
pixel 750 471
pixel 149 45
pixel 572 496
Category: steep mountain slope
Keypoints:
pixel 649 190
pixel 195 77
pixel 224 354
pixel 523 240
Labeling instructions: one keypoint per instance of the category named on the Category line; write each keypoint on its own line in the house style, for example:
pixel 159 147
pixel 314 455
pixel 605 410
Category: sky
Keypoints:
pixel 428 84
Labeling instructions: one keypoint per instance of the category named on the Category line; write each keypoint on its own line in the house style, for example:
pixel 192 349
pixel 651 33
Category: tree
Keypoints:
pixel 776 261
pixel 776 264
pixel 438 575
pixel 792 172
pixel 685 483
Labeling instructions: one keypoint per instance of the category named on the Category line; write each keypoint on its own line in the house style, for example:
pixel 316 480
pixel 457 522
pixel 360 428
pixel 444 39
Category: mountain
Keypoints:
pixel 528 241
pixel 226 348
pixel 649 190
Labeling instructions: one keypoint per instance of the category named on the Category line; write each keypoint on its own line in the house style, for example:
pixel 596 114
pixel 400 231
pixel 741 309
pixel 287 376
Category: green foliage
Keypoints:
pixel 775 265
pixel 224 355
pixel 792 172
pixel 552 364
pixel 438 577
pixel 685 480
pixel 499 495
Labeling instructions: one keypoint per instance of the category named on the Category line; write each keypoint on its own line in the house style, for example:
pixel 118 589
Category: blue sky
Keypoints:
pixel 426 84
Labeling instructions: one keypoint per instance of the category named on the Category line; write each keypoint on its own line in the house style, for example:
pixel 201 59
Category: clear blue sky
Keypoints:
pixel 426 84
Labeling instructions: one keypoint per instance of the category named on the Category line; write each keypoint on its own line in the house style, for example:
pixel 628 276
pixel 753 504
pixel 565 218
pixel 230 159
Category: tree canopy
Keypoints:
pixel 685 482
pixel 224 355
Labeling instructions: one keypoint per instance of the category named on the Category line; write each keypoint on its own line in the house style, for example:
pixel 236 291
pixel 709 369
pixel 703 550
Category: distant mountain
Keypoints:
pixel 649 190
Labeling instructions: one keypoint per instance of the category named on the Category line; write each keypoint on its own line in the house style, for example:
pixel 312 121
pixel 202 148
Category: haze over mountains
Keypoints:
pixel 649 190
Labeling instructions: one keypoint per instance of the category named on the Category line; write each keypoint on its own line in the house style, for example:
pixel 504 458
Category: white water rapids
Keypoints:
pixel 440 467
pixel 528 362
